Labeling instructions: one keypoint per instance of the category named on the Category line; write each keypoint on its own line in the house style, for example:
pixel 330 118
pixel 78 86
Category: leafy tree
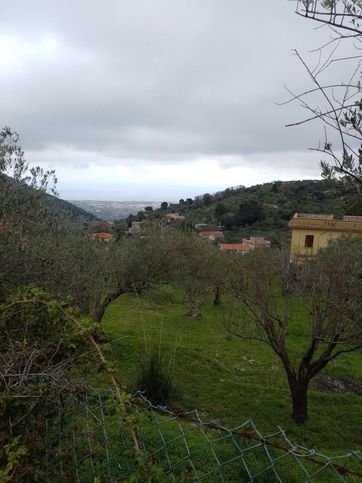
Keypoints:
pixel 35 248
pixel 220 211
pixel 72 267
pixel 148 208
pixel 119 228
pixel 184 226
pixel 325 292
pixel 164 205
pixel 14 165
pixel 276 186
pixel 23 213
pixel 141 215
pixel 228 221
pixel 200 269
pixel 207 199
pixel 250 211
pixel 135 265
pixel 22 187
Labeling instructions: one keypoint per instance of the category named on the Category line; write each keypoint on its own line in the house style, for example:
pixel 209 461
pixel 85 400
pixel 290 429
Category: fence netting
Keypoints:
pixel 87 441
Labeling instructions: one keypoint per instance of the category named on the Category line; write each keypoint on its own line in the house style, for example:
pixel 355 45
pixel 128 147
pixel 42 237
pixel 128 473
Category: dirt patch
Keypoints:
pixel 334 384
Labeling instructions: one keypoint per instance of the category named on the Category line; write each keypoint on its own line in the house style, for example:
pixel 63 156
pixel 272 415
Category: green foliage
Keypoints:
pixel 37 346
pixel 184 226
pixel 27 193
pixel 250 211
pixel 14 165
pixel 220 210
pixel 207 199
pixel 10 458
pixel 32 315
pixel 35 236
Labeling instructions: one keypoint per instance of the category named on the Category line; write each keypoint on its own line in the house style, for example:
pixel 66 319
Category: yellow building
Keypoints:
pixel 311 232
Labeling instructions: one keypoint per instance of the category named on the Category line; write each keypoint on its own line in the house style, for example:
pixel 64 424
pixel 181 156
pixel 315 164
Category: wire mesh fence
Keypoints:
pixel 86 440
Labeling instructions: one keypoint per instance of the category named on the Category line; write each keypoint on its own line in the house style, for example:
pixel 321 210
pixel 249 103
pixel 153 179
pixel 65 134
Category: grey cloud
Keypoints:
pixel 156 79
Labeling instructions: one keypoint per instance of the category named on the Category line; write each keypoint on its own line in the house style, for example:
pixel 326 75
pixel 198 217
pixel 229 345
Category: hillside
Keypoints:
pixel 265 209
pixel 67 213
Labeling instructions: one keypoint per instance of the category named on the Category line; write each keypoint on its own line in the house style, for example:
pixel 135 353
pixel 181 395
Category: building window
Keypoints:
pixel 309 240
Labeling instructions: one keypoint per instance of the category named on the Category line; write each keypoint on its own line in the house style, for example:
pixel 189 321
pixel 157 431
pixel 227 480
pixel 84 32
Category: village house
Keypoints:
pixel 102 236
pixel 312 232
pixel 242 248
pixel 257 242
pixel 211 235
pixel 248 245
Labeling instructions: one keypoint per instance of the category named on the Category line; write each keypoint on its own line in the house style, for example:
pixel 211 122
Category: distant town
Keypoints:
pixel 114 210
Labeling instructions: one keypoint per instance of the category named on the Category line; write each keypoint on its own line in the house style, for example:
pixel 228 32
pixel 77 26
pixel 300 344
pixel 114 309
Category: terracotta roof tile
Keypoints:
pixel 206 233
pixel 101 236
pixel 238 247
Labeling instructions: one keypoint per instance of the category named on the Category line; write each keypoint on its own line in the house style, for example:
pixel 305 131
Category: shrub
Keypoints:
pixel 156 378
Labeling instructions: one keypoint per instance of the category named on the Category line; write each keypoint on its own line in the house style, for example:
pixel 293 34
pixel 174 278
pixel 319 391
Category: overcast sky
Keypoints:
pixel 157 99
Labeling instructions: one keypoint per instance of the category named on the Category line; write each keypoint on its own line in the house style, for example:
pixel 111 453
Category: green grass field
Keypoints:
pixel 227 378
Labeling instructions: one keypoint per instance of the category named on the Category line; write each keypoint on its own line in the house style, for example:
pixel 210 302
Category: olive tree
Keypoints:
pixel 322 296
pixel 161 256
pixel 21 186
pixel 36 247
pixel 337 104
pixel 200 269
pixel 193 272
pixel 22 208
pixel 136 264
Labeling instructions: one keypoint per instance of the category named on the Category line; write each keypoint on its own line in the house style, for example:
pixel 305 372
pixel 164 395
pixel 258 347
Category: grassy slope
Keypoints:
pixel 216 372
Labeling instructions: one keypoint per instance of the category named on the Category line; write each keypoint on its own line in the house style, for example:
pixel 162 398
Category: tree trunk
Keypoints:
pixel 217 296
pixel 101 307
pixel 298 385
pixel 299 401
